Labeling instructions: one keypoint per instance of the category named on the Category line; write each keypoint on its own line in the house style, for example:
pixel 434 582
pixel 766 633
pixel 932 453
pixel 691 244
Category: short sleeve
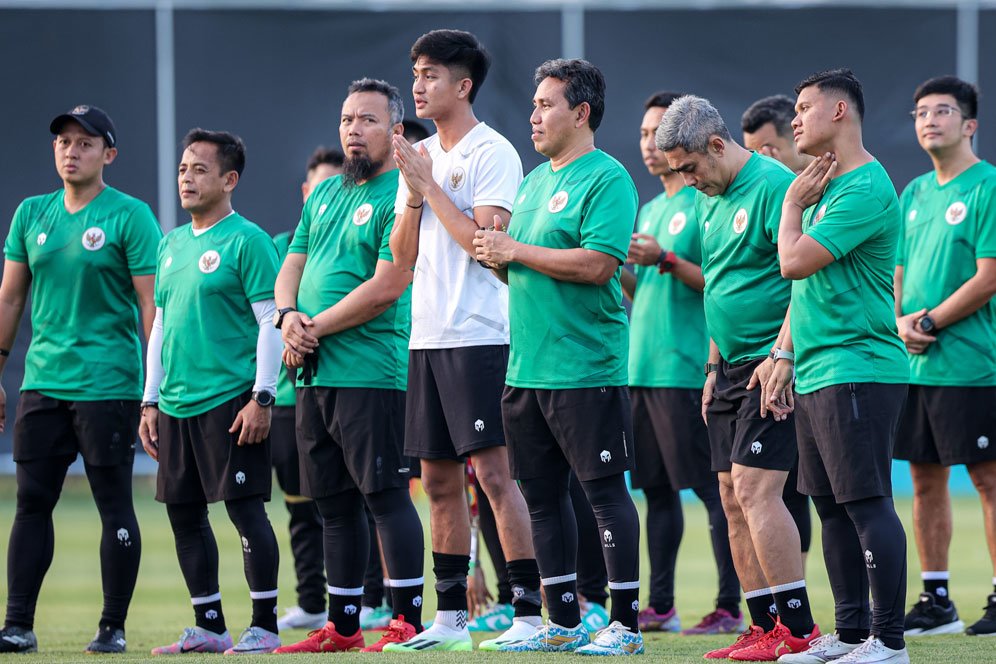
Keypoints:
pixel 258 265
pixel 498 173
pixel 773 205
pixel 14 248
pixel 850 219
pixel 386 224
pixel 302 234
pixel 142 235
pixel 985 243
pixel 609 215
pixel 904 212
pixel 157 294
pixel 695 237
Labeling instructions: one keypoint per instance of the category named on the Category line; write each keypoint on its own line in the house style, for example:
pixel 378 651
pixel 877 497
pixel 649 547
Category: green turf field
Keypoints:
pixel 70 601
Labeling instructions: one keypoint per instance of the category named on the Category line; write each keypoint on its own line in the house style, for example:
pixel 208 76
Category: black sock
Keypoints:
pixel 404 552
pixel 793 609
pixel 625 606
pixel 939 589
pixel 408 599
pixel 593 578
pixel 451 572
pixel 523 576
pixel 344 610
pixel 209 616
pixel 760 609
pixel 264 611
pixel 852 636
pixel 260 558
pixel 562 603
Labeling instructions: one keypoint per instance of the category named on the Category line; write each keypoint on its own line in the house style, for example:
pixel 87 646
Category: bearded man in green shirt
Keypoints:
pixel 945 281
pixel 837 243
pixel 87 254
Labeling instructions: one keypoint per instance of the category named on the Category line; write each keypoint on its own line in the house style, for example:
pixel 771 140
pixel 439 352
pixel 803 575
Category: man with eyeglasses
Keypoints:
pixel 945 279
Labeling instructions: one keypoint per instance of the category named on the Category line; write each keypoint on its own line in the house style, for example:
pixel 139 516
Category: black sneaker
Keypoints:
pixel 17 639
pixel 107 640
pixel 928 618
pixel 986 626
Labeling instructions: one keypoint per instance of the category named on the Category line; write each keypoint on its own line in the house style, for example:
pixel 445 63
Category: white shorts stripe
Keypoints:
pixel 404 583
pixel 624 585
pixel 559 579
pixel 348 592
pixel 197 601
pixel 262 594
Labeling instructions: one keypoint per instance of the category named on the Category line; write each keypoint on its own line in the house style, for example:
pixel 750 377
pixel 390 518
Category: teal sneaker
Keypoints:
pixel 594 616
pixel 551 637
pixel 498 618
pixel 616 639
pixel 371 618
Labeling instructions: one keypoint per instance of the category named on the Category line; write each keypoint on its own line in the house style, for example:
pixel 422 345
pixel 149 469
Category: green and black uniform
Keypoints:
pixel 82 382
pixel 566 406
pixel 949 417
pixel 852 371
pixel 745 303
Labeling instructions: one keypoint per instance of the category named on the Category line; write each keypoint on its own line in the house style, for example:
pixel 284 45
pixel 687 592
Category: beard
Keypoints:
pixel 358 169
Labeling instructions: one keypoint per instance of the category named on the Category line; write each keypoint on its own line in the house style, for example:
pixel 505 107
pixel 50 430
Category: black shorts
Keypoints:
pixel 846 436
pixel 948 425
pixel 283 447
pixel 199 461
pixel 589 430
pixel 738 433
pixel 670 439
pixel 454 401
pixel 102 432
pixel 350 437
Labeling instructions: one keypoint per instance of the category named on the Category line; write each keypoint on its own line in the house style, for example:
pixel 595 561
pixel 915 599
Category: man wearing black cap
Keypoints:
pixel 87 252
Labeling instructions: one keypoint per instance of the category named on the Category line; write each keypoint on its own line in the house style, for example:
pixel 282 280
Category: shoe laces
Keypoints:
pixel 990 608
pixel 824 641
pixel 611 635
pixel 396 630
pixel 770 638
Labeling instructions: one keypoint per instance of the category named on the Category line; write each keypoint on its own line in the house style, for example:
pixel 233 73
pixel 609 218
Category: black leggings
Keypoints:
pixel 32 537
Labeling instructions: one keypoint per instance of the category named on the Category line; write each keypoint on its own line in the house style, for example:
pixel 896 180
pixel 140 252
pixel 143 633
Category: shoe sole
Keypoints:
pixel 967 633
pixel 956 627
pixel 462 646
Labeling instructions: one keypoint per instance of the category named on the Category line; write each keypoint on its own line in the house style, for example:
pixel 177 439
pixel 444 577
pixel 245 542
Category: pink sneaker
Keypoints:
pixel 651 621
pixel 196 639
pixel 719 621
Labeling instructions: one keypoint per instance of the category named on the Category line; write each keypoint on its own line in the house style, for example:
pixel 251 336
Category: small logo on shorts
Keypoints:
pixel 349 609
pixel 557 202
pixel 210 614
pixel 983 442
pixel 869 559
pixel 794 603
pixel 677 223
pixel 209 261
pixel 245 546
pixel 479 425
pixel 956 213
pixel 635 605
pixel 42 237
pixel 363 214
pixel 567 598
pixel 740 221
pixel 417 600
pixel 755 447
pixel 124 537
pixel 93 238
pixel 605 456
pixel 240 477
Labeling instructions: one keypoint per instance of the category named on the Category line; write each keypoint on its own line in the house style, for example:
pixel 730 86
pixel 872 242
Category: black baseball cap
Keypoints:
pixel 95 121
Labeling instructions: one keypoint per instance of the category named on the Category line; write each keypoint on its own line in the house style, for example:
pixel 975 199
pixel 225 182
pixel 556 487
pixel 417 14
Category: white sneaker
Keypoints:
pixel 519 631
pixel 297 618
pixel 437 637
pixel 873 651
pixel 824 649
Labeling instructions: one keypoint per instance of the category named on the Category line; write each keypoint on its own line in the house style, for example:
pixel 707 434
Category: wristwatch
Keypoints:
pixel 665 262
pixel 927 323
pixel 263 398
pixel 148 404
pixel 779 354
pixel 278 316
pixel 710 367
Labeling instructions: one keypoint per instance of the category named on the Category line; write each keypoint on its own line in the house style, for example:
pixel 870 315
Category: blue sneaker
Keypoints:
pixel 498 618
pixel 616 639
pixel 594 616
pixel 551 637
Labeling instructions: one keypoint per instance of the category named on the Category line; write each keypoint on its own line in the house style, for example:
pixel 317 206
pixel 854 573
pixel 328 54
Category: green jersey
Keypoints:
pixel 946 229
pixel 569 335
pixel 206 285
pixel 285 381
pixel 843 317
pixel 84 311
pixel 668 341
pixel 745 294
pixel 345 231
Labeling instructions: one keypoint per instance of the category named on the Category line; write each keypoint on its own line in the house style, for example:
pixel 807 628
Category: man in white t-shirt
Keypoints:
pixel 460 180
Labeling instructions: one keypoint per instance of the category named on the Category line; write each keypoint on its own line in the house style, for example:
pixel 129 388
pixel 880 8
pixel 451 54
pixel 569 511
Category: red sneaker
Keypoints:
pixel 774 644
pixel 398 631
pixel 747 637
pixel 325 639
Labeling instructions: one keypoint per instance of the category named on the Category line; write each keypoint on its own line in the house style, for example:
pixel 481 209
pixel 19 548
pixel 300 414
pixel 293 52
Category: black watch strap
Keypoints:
pixel 280 316
pixel 710 367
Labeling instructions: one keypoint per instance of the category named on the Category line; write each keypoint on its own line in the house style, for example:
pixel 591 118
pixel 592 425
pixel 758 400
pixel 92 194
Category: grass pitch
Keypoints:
pixel 70 600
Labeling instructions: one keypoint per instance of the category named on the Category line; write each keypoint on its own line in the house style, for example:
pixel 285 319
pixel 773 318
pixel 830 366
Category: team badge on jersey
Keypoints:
pixel 677 223
pixel 93 238
pixel 457 177
pixel 740 221
pixel 956 213
pixel 209 261
pixel 42 237
pixel 819 213
pixel 363 214
pixel 912 215
pixel 557 202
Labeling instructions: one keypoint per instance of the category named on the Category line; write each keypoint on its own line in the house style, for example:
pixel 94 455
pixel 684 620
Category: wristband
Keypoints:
pixel 415 207
pixel 665 262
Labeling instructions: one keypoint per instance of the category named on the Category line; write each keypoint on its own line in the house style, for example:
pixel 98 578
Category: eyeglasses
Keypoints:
pixel 943 111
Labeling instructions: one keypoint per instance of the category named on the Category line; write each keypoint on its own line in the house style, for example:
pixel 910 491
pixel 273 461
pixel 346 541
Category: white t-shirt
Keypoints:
pixel 456 302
